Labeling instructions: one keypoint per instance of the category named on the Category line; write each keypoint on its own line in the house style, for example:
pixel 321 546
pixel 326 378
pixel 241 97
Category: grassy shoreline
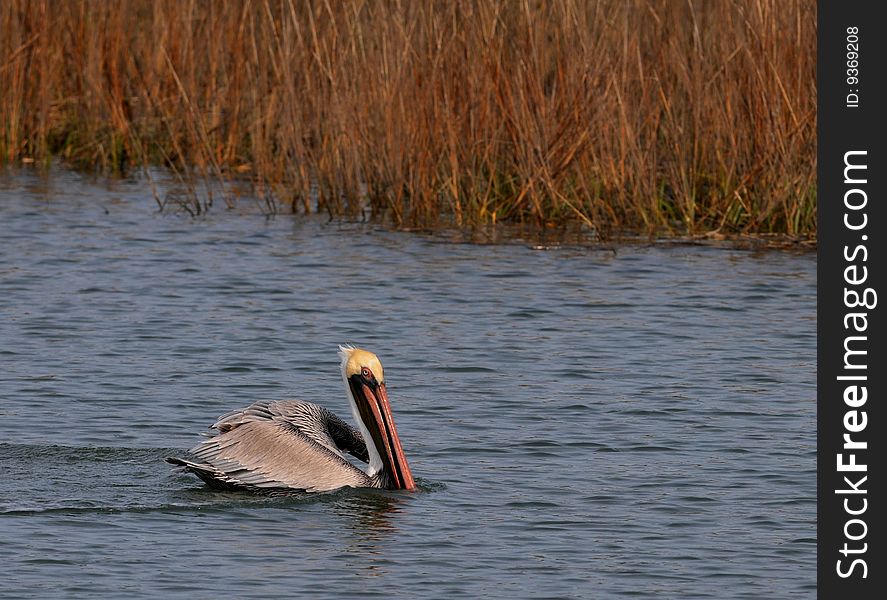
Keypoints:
pixel 662 118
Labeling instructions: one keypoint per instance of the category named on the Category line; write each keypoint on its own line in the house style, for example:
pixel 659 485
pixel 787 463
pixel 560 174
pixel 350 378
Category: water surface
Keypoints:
pixel 583 423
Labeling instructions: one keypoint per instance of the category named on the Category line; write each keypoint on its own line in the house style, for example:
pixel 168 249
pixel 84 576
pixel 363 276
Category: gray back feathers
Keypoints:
pixel 283 445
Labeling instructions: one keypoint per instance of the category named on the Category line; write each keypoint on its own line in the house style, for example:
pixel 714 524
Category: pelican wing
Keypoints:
pixel 281 445
pixel 313 421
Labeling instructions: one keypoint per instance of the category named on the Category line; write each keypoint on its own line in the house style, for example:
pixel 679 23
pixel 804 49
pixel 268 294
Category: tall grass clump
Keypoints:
pixel 654 116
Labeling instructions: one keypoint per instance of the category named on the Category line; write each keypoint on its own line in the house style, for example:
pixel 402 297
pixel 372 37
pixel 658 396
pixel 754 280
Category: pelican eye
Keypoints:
pixel 364 372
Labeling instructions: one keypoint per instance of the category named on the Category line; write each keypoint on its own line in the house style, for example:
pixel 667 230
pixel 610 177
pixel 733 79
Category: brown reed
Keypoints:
pixel 652 116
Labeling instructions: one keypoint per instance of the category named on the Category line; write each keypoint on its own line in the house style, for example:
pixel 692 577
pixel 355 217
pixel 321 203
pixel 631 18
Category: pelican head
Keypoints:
pixel 365 384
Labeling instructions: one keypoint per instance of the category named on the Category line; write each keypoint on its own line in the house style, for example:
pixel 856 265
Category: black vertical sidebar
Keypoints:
pixel 852 260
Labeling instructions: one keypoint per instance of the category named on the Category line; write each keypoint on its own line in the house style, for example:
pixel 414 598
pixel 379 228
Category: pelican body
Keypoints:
pixel 290 446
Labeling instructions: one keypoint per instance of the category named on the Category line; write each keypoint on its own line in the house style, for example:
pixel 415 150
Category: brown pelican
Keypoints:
pixel 291 446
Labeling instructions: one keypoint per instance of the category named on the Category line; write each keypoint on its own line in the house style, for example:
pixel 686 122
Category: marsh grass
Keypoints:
pixel 659 116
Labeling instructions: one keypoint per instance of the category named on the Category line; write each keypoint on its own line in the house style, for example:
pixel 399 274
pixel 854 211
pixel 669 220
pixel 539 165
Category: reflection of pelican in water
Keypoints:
pixel 369 515
pixel 291 446
pixel 369 523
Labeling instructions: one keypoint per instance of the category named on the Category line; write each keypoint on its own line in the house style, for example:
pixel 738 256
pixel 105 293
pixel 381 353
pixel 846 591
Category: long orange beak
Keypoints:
pixel 376 413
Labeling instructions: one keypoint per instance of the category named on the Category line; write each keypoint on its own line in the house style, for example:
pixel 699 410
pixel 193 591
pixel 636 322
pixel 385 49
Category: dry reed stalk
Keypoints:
pixel 653 116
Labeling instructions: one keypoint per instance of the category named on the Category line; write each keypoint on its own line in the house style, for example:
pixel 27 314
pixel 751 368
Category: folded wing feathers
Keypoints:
pixel 284 444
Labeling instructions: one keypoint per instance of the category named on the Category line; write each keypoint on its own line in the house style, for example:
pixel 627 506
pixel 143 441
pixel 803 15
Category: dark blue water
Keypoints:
pixel 583 423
